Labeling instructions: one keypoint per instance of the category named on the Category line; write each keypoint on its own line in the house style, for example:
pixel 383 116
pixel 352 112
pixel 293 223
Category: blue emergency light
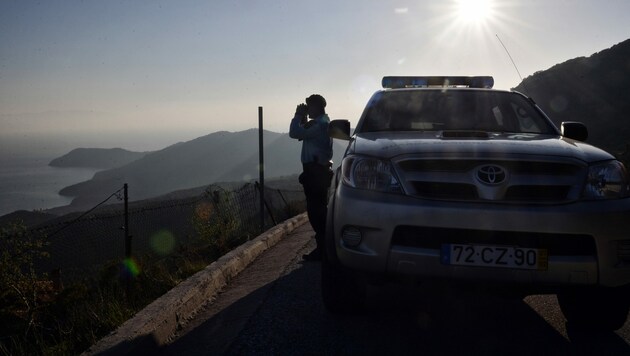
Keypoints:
pixel 392 82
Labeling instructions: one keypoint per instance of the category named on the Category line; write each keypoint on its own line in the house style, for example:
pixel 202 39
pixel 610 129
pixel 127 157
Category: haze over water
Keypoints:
pixel 28 183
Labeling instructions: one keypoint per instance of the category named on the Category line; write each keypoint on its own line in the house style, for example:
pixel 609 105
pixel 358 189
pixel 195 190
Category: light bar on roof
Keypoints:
pixel 439 81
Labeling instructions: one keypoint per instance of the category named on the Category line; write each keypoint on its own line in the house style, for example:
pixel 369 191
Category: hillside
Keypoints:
pixel 217 157
pixel 96 158
pixel 28 218
pixel 593 90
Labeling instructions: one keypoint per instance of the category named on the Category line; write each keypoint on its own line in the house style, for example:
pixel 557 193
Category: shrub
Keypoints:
pixel 24 294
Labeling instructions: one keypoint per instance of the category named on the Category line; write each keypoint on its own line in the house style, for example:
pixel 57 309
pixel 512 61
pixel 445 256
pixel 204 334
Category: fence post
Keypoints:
pixel 265 205
pixel 127 234
pixel 261 169
pixel 286 205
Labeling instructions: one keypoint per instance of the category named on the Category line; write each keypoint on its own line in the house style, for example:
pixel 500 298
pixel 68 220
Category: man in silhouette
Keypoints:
pixel 316 164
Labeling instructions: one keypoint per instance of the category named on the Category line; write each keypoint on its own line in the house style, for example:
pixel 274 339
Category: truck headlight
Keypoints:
pixel 607 180
pixel 369 173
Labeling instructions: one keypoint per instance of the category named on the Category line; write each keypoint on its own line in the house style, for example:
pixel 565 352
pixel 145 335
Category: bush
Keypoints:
pixel 40 316
pixel 24 294
pixel 217 228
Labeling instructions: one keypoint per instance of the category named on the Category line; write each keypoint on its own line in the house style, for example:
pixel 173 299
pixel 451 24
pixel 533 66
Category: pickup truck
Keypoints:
pixel 446 178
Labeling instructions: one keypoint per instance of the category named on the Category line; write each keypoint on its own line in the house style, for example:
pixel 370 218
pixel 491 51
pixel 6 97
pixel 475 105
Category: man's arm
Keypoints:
pixel 298 131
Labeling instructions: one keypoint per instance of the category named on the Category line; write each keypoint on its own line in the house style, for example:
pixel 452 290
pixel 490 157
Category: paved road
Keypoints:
pixel 274 307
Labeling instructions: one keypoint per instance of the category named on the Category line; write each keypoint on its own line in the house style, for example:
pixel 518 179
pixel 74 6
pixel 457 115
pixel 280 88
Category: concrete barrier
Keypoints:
pixel 153 325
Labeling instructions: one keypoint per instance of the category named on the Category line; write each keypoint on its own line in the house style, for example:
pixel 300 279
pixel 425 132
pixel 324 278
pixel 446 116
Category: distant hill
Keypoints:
pixel 217 157
pixel 96 158
pixel 593 90
pixel 28 218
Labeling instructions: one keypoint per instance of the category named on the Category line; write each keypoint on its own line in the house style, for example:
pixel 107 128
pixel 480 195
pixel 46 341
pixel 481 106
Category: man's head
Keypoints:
pixel 316 105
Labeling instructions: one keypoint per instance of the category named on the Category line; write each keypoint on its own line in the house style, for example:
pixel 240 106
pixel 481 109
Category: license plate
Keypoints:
pixel 494 256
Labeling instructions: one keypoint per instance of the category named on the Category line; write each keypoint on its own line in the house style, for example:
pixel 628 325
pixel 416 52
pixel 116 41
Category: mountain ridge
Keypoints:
pixel 217 157
pixel 104 158
pixel 592 90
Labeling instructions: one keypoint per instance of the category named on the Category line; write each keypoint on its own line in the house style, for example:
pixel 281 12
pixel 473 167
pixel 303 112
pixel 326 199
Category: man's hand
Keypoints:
pixel 301 110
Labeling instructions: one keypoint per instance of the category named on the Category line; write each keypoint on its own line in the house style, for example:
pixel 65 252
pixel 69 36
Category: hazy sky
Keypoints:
pixel 195 67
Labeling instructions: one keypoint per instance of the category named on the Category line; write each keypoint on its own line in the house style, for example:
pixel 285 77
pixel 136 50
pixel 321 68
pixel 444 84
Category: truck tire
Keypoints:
pixel 342 291
pixel 596 308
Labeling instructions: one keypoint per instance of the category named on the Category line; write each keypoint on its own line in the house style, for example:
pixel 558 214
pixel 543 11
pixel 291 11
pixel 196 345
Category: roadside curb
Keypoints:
pixel 153 325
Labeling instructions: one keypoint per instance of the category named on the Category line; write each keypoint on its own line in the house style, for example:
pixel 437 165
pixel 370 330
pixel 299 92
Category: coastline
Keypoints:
pixel 30 184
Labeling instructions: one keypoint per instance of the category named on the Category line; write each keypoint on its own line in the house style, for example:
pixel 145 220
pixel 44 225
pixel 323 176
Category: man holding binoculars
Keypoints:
pixel 316 164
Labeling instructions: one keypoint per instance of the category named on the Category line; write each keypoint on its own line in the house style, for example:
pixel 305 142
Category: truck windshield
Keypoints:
pixel 456 109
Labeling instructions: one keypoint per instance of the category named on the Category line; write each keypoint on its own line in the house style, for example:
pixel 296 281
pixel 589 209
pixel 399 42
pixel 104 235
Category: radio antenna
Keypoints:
pixel 508 53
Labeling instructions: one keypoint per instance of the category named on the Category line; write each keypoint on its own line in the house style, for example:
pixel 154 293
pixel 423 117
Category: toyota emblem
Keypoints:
pixel 491 174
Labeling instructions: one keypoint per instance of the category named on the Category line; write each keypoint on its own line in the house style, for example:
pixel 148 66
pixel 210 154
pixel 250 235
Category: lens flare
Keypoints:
pixel 203 211
pixel 163 242
pixel 131 268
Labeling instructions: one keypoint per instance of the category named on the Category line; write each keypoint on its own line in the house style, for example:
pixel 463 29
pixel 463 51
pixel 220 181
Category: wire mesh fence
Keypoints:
pixel 80 244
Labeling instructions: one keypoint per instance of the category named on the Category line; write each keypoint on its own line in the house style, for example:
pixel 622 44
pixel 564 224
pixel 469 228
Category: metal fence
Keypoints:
pixel 82 243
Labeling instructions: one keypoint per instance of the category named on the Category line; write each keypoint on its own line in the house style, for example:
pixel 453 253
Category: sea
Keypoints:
pixel 29 183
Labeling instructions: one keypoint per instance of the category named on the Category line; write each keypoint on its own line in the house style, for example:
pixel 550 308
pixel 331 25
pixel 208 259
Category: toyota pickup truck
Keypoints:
pixel 446 178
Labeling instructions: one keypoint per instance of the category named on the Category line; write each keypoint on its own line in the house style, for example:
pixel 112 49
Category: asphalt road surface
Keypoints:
pixel 274 308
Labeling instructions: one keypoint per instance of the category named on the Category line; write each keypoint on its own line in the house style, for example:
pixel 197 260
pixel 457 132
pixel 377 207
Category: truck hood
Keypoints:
pixel 392 144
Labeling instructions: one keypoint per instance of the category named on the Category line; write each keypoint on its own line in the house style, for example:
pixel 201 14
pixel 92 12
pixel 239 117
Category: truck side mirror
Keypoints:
pixel 339 129
pixel 574 130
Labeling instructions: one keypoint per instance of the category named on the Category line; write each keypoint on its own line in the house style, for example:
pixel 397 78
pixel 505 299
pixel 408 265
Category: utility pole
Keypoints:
pixel 126 228
pixel 128 262
pixel 261 168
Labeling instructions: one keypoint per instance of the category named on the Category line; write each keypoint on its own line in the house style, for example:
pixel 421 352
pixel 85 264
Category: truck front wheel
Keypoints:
pixel 342 291
pixel 596 308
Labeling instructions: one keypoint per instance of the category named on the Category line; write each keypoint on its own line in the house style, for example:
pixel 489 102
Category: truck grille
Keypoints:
pixel 507 181
pixel 556 244
pixel 437 190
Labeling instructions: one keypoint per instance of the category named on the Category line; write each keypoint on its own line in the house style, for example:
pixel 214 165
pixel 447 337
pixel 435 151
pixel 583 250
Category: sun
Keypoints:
pixel 474 11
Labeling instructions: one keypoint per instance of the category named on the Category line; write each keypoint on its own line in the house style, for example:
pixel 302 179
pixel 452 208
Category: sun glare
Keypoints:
pixel 474 11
